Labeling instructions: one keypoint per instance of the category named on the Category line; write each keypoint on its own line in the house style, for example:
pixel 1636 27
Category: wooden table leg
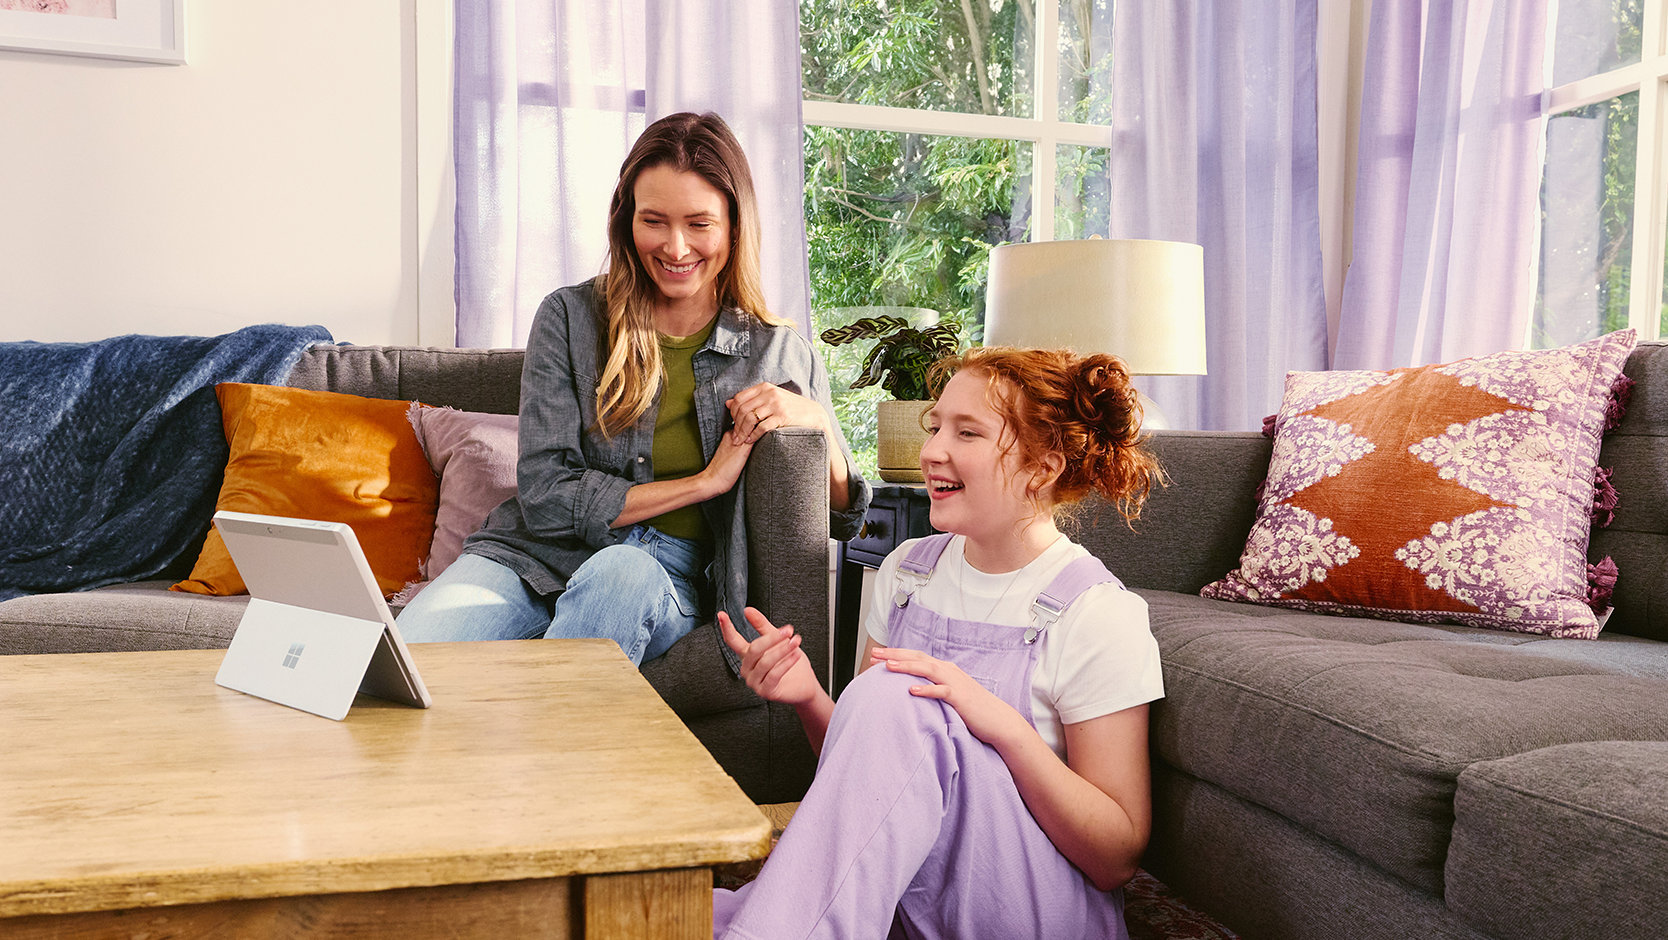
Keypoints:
pixel 654 905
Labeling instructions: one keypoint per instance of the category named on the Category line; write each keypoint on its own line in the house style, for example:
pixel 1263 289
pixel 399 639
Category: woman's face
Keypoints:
pixel 681 228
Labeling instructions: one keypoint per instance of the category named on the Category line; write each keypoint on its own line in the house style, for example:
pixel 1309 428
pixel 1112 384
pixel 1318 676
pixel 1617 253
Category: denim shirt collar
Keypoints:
pixel 731 336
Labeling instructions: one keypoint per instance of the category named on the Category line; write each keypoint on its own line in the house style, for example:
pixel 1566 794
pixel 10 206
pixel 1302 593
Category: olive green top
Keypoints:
pixel 677 436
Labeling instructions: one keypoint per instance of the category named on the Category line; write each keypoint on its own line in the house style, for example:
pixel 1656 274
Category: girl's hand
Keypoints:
pixel 989 718
pixel 773 665
pixel 766 407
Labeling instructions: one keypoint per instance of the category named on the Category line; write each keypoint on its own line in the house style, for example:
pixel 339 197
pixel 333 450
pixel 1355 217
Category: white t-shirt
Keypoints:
pixel 1099 658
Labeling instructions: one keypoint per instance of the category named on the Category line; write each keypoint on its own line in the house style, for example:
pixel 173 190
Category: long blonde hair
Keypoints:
pixel 687 142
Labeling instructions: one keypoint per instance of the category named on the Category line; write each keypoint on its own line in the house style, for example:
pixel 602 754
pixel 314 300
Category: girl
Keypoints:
pixel 991 778
pixel 642 394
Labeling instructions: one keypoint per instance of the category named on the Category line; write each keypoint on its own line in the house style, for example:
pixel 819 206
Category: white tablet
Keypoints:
pixel 317 629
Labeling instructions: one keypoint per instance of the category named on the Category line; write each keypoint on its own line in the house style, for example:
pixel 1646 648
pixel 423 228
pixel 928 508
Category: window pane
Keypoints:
pixel 1594 36
pixel 939 55
pixel 1086 61
pixel 1662 318
pixel 903 220
pixel 1587 222
pixel 1082 192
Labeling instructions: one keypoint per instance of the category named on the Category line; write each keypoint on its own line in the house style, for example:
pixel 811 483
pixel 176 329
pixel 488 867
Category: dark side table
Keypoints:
pixel 896 514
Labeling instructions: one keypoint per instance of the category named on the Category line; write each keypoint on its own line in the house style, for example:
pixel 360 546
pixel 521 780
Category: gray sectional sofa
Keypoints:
pixel 1321 777
pixel 1315 777
pixel 760 745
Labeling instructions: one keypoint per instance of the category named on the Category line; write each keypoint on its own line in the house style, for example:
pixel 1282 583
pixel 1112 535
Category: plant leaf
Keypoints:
pixel 866 328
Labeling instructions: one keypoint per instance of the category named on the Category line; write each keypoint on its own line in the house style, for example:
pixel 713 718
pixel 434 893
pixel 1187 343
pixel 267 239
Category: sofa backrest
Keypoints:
pixel 486 380
pixel 1191 531
pixel 1637 453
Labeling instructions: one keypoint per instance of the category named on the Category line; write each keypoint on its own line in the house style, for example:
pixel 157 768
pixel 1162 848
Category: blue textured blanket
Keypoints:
pixel 112 453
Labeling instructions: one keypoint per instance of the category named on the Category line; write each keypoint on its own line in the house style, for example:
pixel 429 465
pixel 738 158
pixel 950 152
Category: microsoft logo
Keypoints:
pixel 294 655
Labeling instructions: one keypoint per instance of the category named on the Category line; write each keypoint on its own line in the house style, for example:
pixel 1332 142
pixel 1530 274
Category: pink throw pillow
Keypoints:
pixel 474 455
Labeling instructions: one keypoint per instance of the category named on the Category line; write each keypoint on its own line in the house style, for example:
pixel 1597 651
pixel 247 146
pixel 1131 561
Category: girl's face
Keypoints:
pixel 976 486
pixel 681 228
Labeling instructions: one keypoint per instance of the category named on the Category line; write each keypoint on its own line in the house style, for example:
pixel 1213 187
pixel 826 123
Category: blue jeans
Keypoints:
pixel 643 594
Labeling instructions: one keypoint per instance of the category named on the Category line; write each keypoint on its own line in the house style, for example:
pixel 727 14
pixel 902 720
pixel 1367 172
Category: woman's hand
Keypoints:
pixel 773 665
pixel 725 467
pixel 647 500
pixel 990 719
pixel 766 407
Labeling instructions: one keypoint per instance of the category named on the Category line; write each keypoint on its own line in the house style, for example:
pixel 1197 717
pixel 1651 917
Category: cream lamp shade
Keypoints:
pixel 1141 300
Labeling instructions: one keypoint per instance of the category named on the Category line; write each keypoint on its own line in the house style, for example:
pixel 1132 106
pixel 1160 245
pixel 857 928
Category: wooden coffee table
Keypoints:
pixel 548 792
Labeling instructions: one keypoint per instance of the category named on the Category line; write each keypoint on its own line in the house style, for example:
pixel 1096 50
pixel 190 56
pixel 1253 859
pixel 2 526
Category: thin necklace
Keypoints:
pixel 961 576
pixel 1013 579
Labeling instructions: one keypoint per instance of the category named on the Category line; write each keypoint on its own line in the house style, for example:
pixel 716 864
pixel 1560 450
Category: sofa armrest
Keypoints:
pixel 1192 531
pixel 786 491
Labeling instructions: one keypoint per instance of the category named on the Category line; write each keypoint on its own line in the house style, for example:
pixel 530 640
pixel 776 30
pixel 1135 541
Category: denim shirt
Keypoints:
pixel 571 481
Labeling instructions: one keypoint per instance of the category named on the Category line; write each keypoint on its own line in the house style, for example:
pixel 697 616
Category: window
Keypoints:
pixel 1604 195
pixel 930 128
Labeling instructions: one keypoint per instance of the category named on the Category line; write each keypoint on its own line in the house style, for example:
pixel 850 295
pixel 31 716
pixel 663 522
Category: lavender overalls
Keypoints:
pixel 913 827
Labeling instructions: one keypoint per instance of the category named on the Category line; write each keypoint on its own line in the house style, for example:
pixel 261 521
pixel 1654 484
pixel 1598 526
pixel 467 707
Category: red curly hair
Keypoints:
pixel 1054 401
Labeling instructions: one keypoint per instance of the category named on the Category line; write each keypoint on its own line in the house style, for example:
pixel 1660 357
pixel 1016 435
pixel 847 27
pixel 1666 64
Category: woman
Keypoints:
pixel 991 779
pixel 643 392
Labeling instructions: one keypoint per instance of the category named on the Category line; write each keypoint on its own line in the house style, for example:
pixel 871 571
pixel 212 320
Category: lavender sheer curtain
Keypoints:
pixel 1447 191
pixel 549 96
pixel 1215 142
pixel 751 77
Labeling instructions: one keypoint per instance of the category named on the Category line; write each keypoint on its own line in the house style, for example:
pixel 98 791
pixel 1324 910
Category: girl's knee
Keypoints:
pixel 879 695
pixel 880 685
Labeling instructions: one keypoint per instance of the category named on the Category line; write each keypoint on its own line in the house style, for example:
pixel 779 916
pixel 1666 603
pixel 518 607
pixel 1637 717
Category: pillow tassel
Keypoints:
pixel 1268 425
pixel 1621 395
pixel 407 594
pixel 1601 584
pixel 1605 497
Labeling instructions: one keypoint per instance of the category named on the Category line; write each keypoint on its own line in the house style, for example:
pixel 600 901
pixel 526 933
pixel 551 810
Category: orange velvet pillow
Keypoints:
pixel 323 455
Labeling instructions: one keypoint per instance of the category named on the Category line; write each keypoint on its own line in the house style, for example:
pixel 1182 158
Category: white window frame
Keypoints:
pixel 1045 132
pixel 1649 77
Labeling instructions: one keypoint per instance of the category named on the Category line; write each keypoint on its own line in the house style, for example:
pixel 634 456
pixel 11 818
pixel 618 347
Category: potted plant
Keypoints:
pixel 898 362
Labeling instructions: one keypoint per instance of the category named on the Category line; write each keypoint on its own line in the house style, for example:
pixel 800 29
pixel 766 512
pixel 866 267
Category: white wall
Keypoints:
pixel 293 171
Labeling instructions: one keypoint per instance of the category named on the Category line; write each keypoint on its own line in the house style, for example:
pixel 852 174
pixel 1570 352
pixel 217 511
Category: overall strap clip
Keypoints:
pixel 1045 611
pixel 1067 586
pixel 917 567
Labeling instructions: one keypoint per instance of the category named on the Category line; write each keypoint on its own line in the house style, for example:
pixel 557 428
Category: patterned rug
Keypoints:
pixel 1151 910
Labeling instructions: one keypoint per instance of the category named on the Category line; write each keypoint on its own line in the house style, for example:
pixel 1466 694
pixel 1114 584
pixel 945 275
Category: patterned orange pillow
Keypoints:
pixel 1460 492
pixel 323 455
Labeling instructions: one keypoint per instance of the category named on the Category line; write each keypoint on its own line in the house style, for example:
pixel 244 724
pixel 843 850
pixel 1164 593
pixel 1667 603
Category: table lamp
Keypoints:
pixel 1141 300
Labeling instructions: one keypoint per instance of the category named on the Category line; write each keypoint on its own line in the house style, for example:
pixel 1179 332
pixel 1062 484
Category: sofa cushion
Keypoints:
pixel 143 615
pixel 1563 842
pixel 1358 729
pixel 322 455
pixel 1460 492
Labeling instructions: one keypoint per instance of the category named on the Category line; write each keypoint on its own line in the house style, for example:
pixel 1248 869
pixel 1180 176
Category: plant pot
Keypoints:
pixel 898 439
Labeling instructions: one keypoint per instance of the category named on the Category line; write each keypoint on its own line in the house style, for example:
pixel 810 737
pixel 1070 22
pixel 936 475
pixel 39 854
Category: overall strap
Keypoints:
pixel 923 558
pixel 1067 586
pixel 917 566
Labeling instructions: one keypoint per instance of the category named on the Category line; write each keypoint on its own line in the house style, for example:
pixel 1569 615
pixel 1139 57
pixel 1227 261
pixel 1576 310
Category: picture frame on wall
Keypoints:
pixel 135 30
